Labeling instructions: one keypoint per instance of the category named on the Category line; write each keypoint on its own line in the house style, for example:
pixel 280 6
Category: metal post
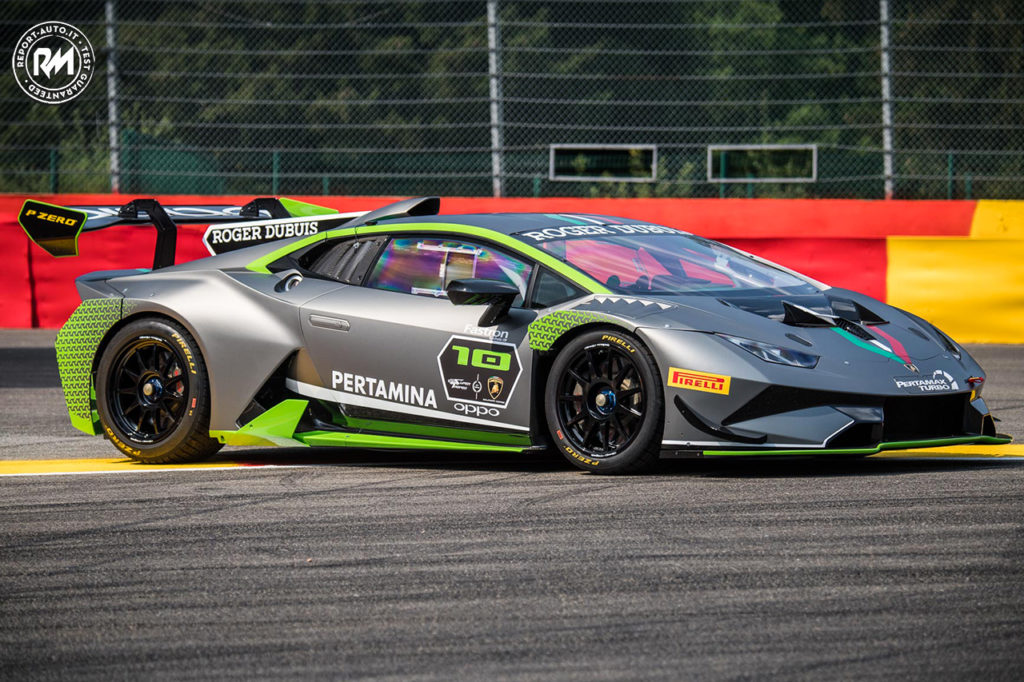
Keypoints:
pixel 54 172
pixel 949 176
pixel 113 117
pixel 494 74
pixel 325 183
pixel 275 171
pixel 887 144
pixel 721 174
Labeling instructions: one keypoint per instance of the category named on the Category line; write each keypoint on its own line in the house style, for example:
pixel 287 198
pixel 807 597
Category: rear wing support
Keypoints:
pixel 166 229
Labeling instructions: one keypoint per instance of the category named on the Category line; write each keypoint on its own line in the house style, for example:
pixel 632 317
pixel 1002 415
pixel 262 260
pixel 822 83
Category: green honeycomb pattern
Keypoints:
pixel 544 331
pixel 76 345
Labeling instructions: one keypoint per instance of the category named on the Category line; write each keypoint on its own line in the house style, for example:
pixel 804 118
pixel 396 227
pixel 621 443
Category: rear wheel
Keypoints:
pixel 153 395
pixel 604 404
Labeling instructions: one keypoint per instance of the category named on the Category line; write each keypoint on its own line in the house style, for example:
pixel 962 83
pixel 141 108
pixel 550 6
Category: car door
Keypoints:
pixel 395 349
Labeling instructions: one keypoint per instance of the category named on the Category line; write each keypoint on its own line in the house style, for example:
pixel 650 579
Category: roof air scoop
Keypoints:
pixel 416 206
pixel 799 316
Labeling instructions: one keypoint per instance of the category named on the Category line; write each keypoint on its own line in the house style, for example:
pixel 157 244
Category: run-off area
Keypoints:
pixel 437 565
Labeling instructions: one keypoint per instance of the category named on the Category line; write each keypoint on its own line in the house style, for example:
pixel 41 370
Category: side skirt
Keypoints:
pixel 278 425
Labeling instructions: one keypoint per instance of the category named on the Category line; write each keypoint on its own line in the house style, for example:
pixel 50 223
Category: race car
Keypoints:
pixel 614 341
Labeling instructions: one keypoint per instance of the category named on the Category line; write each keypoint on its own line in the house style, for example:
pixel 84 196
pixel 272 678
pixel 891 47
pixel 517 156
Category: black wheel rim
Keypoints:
pixel 600 401
pixel 148 390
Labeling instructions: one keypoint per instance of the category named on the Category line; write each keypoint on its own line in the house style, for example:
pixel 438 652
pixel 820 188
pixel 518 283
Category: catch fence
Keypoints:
pixel 646 98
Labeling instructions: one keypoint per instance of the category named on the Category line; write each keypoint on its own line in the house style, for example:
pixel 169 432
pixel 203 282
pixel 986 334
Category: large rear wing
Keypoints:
pixel 56 228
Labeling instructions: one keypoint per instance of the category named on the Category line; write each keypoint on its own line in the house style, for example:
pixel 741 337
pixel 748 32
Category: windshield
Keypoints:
pixel 671 264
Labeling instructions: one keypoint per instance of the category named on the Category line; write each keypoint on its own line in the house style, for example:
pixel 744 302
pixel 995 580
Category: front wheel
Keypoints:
pixel 604 405
pixel 153 395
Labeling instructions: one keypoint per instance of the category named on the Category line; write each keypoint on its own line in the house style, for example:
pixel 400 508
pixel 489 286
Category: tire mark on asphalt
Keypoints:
pixel 246 501
pixel 563 494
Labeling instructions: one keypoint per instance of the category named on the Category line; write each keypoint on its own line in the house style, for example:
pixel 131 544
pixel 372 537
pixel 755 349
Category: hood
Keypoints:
pixel 829 322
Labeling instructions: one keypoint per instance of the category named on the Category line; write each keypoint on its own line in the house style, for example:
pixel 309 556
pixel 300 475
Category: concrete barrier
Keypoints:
pixel 971 286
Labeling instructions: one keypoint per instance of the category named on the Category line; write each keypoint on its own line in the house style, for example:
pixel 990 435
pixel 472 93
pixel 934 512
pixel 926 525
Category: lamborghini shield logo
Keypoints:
pixel 494 386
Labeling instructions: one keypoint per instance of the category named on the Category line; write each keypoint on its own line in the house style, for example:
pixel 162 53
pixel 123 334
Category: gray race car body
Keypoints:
pixel 297 356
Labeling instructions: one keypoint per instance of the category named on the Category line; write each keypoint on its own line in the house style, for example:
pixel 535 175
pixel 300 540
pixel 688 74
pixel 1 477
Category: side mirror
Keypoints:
pixel 288 280
pixel 497 296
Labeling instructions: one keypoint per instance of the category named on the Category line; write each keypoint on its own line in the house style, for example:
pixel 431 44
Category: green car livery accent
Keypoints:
pixel 367 440
pixel 868 347
pixel 448 434
pixel 76 346
pixel 276 426
pixel 300 209
pixel 545 331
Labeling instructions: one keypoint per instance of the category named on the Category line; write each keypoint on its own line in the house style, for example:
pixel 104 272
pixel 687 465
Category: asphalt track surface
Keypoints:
pixel 439 566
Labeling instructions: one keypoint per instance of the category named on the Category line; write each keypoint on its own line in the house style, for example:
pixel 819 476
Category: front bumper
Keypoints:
pixel 852 452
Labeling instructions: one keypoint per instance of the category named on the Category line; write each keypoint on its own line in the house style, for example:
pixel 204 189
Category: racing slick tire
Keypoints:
pixel 153 394
pixel 604 404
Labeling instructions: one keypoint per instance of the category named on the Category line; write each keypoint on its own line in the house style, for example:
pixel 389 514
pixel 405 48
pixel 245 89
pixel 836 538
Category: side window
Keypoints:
pixel 550 289
pixel 347 260
pixel 425 265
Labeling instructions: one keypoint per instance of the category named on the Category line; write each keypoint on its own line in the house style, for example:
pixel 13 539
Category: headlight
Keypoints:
pixel 776 354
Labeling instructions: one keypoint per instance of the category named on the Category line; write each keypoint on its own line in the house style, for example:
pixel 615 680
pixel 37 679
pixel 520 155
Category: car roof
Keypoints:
pixel 511 223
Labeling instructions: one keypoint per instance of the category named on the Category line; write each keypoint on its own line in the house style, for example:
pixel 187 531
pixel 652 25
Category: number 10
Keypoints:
pixel 483 359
